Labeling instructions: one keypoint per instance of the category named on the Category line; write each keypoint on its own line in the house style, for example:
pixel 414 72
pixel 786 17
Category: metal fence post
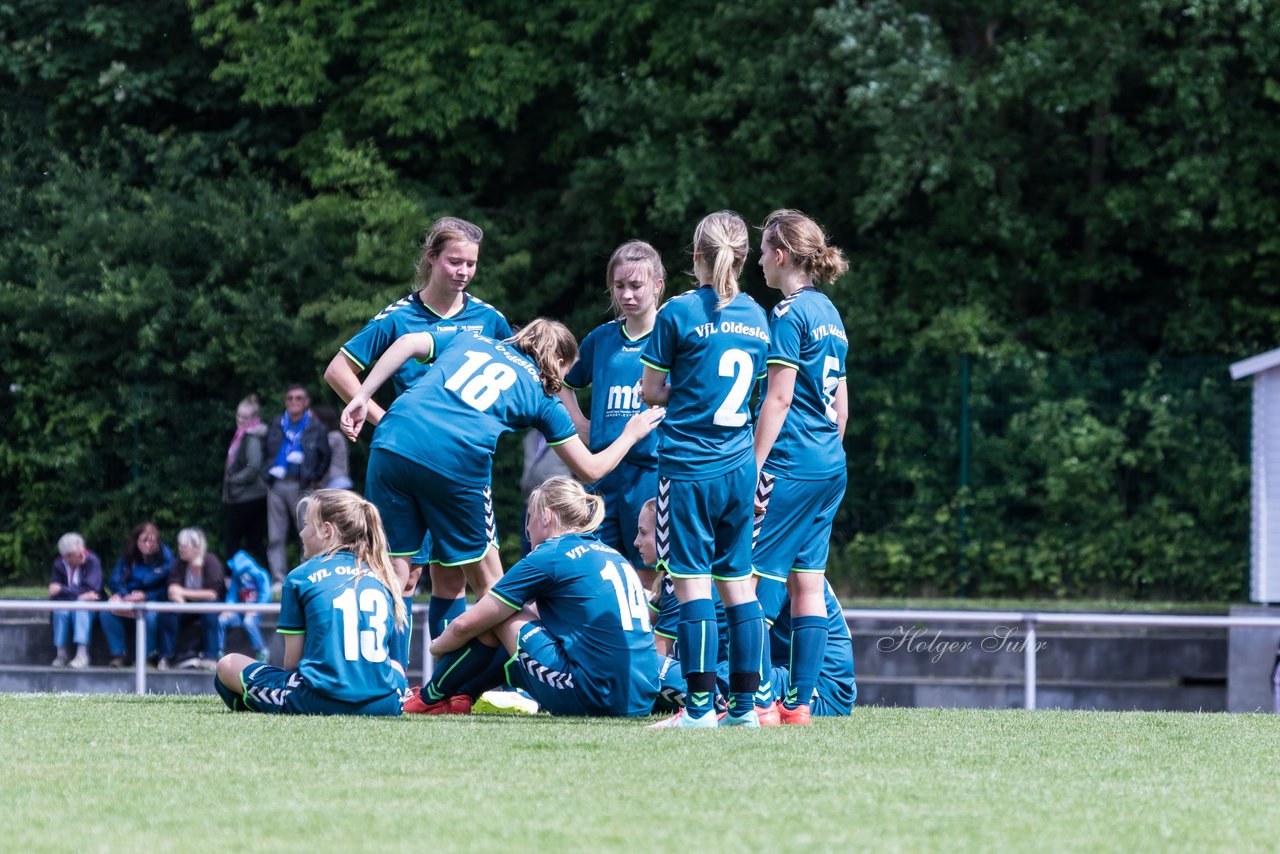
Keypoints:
pixel 140 647
pixel 1029 662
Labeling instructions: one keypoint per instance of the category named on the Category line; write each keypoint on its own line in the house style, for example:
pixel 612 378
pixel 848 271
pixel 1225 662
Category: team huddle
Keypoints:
pixel 688 577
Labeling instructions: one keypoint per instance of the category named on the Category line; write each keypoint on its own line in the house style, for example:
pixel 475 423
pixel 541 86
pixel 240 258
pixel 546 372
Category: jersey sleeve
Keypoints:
pixel 660 352
pixel 553 421
pixel 579 375
pixel 292 620
pixel 368 345
pixel 498 328
pixel 524 581
pixel 786 334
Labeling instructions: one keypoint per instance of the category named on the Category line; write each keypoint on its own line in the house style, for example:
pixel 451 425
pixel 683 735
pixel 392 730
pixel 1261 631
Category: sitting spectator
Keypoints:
pixel 140 574
pixel 244 487
pixel 196 576
pixel 77 574
pixel 247 582
pixel 338 476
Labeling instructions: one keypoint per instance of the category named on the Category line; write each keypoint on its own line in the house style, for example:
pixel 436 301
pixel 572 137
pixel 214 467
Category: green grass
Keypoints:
pixel 169 773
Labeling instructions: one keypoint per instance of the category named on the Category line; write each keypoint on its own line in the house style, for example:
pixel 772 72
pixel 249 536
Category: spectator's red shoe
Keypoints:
pixel 799 716
pixel 769 715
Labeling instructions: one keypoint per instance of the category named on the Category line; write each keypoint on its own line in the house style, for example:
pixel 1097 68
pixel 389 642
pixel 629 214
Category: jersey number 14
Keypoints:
pixel 632 606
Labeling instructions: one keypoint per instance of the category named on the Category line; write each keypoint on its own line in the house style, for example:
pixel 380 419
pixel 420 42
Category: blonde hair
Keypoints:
pixel 358 526
pixel 655 592
pixel 251 402
pixel 806 242
pixel 70 543
pixel 720 240
pixel 576 510
pixel 548 343
pixel 642 256
pixel 442 231
pixel 194 537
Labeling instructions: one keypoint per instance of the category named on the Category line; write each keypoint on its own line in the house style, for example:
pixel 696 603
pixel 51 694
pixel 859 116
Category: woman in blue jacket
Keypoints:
pixel 140 575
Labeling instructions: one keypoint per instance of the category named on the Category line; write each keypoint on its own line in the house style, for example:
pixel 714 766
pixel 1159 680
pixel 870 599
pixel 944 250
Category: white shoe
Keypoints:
pixel 504 703
pixel 80 662
pixel 59 661
pixel 680 720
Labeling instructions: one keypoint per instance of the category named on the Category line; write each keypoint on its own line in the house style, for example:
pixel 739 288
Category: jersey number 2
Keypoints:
pixel 737 364
pixel 632 606
pixel 369 643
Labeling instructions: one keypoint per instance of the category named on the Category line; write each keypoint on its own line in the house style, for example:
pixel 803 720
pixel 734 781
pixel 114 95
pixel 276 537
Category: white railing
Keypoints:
pixel 1027 620
pixel 140 630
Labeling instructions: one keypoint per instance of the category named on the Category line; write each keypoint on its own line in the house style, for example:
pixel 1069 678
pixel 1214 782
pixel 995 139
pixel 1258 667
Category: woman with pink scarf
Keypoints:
pixel 244 492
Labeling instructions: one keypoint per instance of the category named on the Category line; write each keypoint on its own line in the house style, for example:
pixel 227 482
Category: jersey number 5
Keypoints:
pixel 369 643
pixel 481 391
pixel 632 606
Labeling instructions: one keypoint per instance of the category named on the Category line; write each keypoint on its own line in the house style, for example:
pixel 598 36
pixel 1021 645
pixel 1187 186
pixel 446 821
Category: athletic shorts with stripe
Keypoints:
pixel 795 532
pixel 415 500
pixel 541 668
pixel 271 690
pixel 704 526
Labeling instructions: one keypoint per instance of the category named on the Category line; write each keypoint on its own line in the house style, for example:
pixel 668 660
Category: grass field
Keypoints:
pixel 165 773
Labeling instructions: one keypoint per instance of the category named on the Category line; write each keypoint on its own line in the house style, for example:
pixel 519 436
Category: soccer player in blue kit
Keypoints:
pixel 799 445
pixel 609 362
pixel 339 612
pixel 834 689
pixel 431 462
pixel 446 267
pixel 707 349
pixel 585 647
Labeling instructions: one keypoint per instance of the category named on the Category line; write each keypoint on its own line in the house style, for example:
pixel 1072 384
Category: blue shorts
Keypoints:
pixel 704 526
pixel 624 490
pixel 829 700
pixel 541 668
pixel 423 557
pixel 271 690
pixel 416 501
pixel 795 533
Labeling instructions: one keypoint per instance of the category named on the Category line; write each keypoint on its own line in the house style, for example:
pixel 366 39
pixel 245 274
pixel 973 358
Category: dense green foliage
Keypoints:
pixel 201 201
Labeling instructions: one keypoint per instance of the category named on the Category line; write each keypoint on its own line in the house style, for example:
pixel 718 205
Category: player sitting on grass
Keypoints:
pixel 339 611
pixel 834 691
pixel 571 617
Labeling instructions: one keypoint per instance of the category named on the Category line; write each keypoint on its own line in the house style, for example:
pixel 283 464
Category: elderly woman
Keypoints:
pixel 196 576
pixel 141 574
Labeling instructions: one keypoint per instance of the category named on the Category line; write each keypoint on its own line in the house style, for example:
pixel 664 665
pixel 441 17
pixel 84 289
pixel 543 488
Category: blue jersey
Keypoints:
pixel 478 389
pixel 591 601
pixel 410 315
pixel 609 362
pixel 666 620
pixel 836 674
pixel 349 621
pixel 713 358
pixel 805 333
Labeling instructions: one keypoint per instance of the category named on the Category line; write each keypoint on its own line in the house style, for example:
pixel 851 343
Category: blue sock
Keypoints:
pixel 493 675
pixel 456 669
pixel 233 700
pixel 699 638
pixel 808 646
pixel 442 612
pixel 746 643
pixel 770 593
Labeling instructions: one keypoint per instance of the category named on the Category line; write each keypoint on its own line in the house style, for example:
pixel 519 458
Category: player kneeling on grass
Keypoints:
pixel 585 648
pixel 339 611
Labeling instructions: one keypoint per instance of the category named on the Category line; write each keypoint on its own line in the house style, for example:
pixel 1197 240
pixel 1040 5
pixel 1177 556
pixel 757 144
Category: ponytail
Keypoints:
pixel 807 245
pixel 548 343
pixel 576 510
pixel 358 526
pixel 720 241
